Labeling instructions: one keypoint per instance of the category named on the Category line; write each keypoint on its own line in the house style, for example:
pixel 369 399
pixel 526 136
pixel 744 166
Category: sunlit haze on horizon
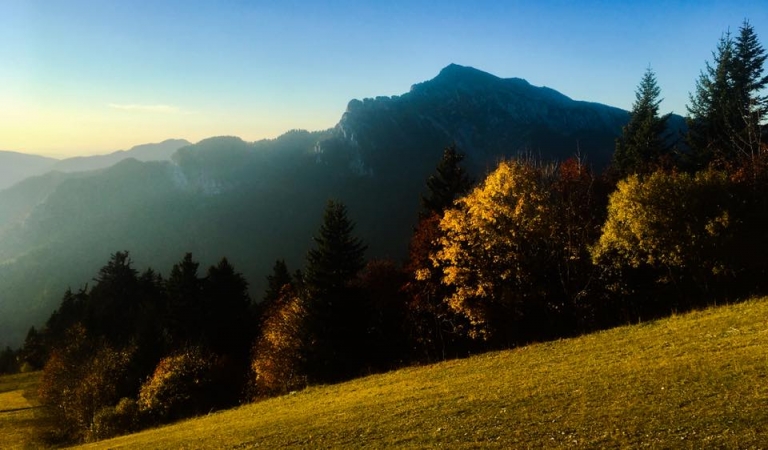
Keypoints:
pixel 83 77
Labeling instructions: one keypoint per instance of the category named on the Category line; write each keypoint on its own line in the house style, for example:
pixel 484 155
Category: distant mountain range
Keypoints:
pixel 15 167
pixel 257 202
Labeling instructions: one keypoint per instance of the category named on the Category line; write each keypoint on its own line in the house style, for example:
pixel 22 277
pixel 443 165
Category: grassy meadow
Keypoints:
pixel 19 423
pixel 698 380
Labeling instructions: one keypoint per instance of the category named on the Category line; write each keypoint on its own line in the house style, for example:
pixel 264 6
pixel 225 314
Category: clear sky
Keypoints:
pixel 85 77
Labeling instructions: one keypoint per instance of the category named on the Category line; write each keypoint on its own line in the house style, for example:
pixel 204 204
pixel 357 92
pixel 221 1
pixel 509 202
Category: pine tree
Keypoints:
pixel 184 311
pixel 707 123
pixel 227 310
pixel 336 317
pixel 448 183
pixel 276 281
pixel 112 306
pixel 642 142
pixel 433 326
pixel 726 112
pixel 338 256
pixel 748 82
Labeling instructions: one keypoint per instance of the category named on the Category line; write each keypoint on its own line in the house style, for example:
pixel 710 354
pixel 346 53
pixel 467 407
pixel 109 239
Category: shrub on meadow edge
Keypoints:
pixel 182 385
pixel 110 421
pixel 82 377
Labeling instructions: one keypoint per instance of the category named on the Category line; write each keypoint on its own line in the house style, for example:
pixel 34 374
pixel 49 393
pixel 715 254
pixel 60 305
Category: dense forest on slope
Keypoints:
pixel 257 202
pixel 534 250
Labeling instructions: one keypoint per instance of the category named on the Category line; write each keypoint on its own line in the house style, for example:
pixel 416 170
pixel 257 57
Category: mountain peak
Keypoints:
pixel 456 70
pixel 454 74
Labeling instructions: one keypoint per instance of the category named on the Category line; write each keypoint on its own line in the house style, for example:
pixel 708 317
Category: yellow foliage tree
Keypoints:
pixel 278 352
pixel 670 221
pixel 494 243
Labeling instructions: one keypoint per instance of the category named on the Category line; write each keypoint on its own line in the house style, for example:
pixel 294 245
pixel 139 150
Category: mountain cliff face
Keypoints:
pixel 485 116
pixel 257 202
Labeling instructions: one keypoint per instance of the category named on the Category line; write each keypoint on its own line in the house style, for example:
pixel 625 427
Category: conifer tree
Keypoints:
pixel 227 310
pixel 748 83
pixel 338 255
pixel 448 183
pixel 727 110
pixel 335 310
pixel 642 141
pixel 276 281
pixel 112 306
pixel 433 326
pixel 184 312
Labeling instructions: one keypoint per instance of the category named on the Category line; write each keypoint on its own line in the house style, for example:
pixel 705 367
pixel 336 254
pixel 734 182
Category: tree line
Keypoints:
pixel 532 251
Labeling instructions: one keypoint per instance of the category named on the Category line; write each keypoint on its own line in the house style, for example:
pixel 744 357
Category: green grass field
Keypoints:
pixel 18 421
pixel 698 380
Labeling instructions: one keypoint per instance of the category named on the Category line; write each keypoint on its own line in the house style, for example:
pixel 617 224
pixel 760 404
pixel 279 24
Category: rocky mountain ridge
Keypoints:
pixel 259 201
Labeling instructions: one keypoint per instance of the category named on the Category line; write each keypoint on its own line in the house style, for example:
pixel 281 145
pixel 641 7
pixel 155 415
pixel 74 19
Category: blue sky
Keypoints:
pixel 84 77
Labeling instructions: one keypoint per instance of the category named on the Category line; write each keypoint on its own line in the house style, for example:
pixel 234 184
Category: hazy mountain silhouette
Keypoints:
pixel 257 202
pixel 15 167
pixel 146 152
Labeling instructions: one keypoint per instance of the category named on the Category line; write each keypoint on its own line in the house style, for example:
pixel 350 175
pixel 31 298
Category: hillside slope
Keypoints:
pixel 693 381
pixel 256 202
pixel 15 167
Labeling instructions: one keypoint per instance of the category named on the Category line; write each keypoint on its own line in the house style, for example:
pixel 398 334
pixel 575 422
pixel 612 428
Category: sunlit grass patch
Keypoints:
pixel 692 381
pixel 19 421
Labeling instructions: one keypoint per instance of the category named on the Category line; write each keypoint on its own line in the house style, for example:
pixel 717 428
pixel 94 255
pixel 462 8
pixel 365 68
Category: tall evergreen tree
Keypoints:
pixel 726 112
pixel 449 182
pixel 276 281
pixel 338 255
pixel 113 305
pixel 748 83
pixel 642 141
pixel 707 111
pixel 227 310
pixel 184 311
pixel 433 325
pixel 336 316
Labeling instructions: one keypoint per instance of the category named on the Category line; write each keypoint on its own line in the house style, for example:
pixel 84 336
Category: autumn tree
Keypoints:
pixel 278 365
pixel 437 330
pixel 186 383
pixel 494 249
pixel 579 200
pixel 641 143
pixel 674 227
pixel 82 376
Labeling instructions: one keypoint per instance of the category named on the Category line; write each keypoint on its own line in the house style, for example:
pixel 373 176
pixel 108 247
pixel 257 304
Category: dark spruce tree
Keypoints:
pixel 184 308
pixel 709 106
pixel 726 112
pixel 227 311
pixel 448 183
pixel 112 307
pixel 748 83
pixel 642 142
pixel 336 312
pixel 433 326
pixel 276 281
